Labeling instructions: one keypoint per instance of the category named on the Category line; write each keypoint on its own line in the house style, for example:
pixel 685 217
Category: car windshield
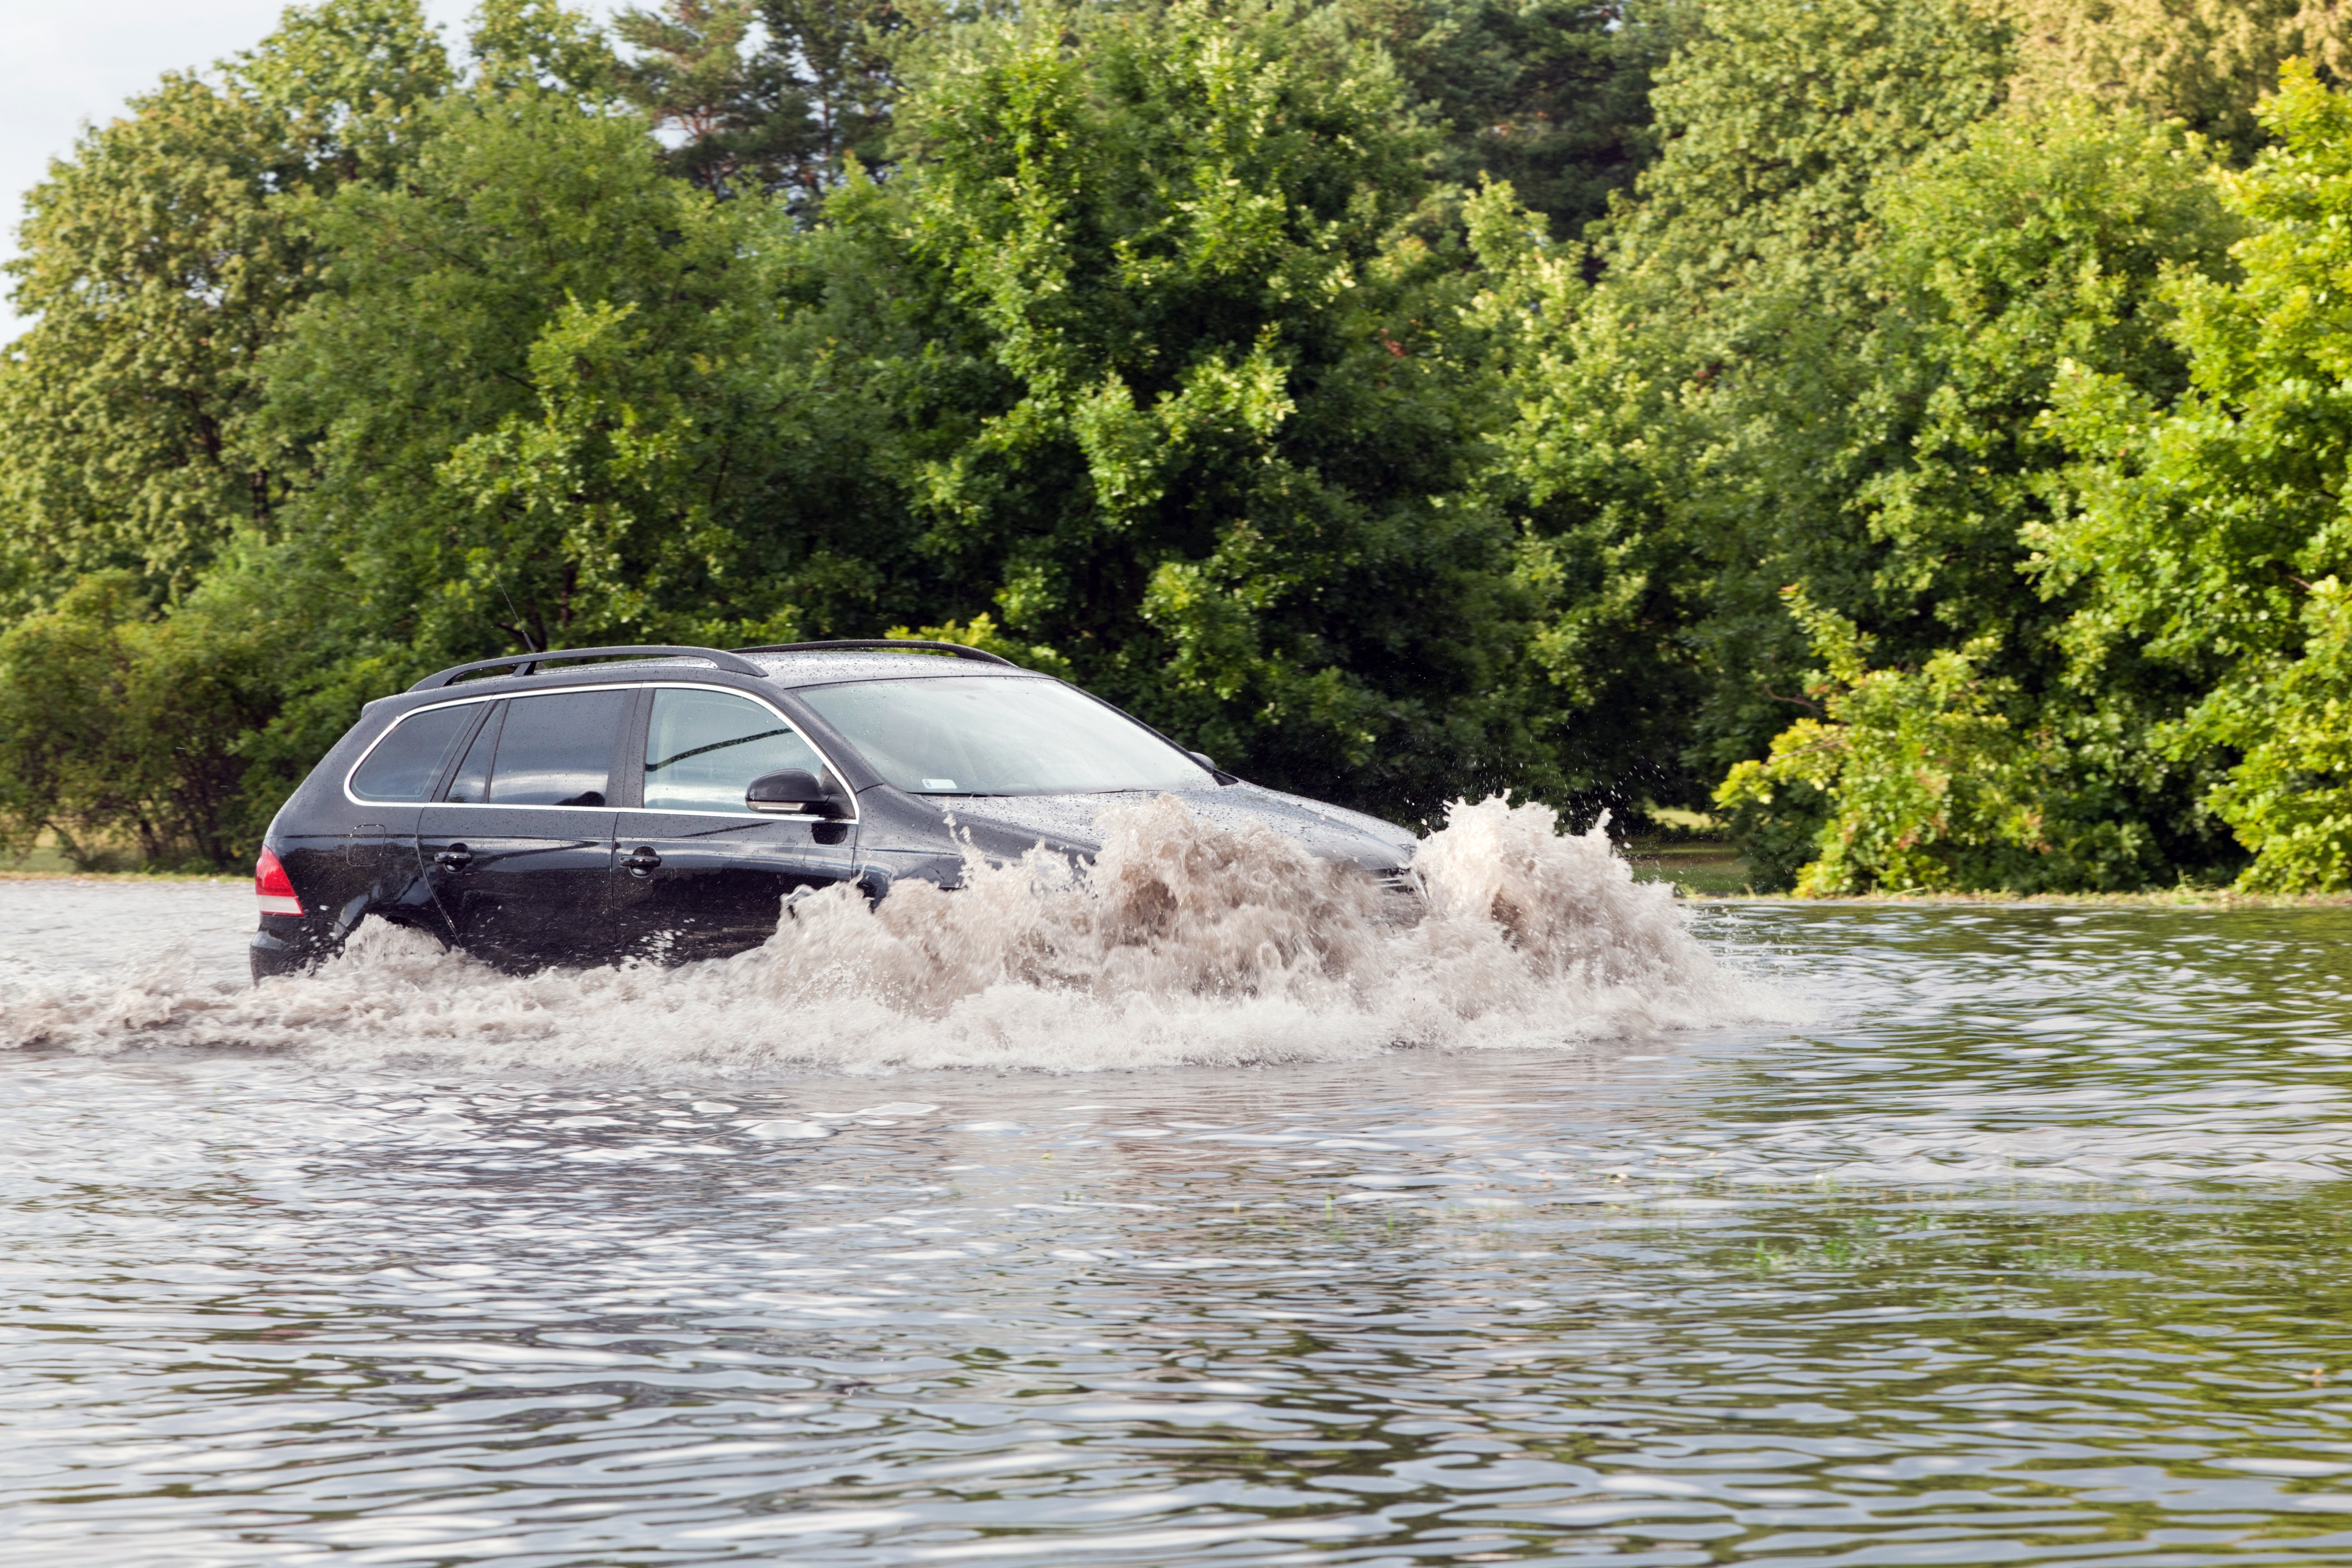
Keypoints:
pixel 998 735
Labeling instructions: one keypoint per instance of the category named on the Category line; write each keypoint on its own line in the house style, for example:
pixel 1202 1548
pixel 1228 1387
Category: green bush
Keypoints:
pixel 123 731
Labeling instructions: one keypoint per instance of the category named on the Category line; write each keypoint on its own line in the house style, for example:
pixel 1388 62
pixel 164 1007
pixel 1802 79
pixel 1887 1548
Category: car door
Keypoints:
pixel 518 851
pixel 699 873
pixel 389 788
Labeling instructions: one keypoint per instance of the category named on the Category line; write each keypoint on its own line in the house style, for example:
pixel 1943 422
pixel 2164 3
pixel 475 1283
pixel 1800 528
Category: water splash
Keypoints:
pixel 1184 942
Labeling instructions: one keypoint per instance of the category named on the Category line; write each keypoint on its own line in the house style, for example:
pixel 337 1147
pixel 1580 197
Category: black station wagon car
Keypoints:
pixel 664 803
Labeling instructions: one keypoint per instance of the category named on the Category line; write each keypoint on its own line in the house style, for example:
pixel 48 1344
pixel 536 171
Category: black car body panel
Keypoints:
pixel 580 814
pixel 690 887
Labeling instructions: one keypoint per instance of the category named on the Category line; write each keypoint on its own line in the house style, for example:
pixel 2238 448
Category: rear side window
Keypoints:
pixel 556 750
pixel 703 748
pixel 404 764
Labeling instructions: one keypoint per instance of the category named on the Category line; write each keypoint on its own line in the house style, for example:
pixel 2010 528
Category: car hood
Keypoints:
pixel 1066 822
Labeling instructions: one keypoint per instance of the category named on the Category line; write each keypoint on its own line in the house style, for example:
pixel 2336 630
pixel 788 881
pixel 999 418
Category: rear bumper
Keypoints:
pixel 288 944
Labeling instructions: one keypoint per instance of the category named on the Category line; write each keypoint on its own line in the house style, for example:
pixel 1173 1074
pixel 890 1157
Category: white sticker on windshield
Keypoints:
pixel 939 784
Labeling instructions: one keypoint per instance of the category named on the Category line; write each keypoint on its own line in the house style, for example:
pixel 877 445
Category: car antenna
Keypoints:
pixel 522 630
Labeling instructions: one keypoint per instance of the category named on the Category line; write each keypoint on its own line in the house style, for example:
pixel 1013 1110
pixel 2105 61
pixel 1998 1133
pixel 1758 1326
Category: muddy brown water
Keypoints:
pixel 2009 1235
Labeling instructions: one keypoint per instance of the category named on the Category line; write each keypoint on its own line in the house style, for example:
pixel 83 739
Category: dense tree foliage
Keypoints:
pixel 2202 62
pixel 1552 96
pixel 2039 243
pixel 160 261
pixel 2209 534
pixel 1223 406
pixel 1908 428
pixel 125 735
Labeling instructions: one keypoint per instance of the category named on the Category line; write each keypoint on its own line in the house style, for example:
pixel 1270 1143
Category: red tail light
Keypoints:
pixel 277 888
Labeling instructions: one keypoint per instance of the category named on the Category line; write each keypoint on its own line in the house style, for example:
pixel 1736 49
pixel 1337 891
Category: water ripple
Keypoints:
pixel 2028 1248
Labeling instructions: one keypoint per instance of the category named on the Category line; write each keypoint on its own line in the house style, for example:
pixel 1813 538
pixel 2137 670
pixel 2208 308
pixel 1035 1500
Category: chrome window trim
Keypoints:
pixel 353 770
pixel 782 718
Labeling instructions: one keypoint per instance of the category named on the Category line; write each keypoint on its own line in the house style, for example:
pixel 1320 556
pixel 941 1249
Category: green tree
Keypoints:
pixel 839 55
pixel 544 396
pixel 2039 241
pixel 538 47
pixel 784 114
pixel 123 733
pixel 2210 533
pixel 1203 430
pixel 1550 97
pixel 693 74
pixel 2202 62
pixel 1584 463
pixel 2289 716
pixel 1776 119
pixel 157 266
pixel 1917 778
pixel 1682 445
pixel 1744 274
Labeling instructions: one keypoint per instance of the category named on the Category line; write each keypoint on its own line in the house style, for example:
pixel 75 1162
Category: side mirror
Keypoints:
pixel 791 791
pixel 1203 759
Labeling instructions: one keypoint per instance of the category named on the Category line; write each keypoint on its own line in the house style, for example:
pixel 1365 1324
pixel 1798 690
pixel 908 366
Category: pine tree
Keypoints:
pixel 774 96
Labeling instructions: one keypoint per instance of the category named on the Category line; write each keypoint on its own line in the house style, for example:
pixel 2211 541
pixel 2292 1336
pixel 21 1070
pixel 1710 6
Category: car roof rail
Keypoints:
pixel 528 663
pixel 893 645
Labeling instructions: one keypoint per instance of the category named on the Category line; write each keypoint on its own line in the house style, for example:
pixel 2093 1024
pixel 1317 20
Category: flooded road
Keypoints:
pixel 2023 1238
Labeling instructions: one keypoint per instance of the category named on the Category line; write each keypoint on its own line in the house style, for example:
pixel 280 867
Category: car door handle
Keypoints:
pixel 642 863
pixel 457 857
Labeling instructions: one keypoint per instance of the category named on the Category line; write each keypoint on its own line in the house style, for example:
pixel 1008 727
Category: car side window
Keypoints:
pixel 703 748
pixel 404 764
pixel 555 750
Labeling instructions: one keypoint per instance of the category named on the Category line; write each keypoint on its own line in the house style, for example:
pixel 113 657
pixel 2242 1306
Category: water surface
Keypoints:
pixel 2028 1247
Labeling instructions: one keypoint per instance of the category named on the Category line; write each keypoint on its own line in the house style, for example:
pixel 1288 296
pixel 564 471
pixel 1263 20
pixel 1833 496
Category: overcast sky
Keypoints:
pixel 62 66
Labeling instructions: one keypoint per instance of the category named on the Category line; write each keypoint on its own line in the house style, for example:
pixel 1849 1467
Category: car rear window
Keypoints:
pixel 404 764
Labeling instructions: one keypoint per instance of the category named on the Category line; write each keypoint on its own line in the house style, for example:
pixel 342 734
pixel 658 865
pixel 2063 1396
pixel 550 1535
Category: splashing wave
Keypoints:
pixel 1184 942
